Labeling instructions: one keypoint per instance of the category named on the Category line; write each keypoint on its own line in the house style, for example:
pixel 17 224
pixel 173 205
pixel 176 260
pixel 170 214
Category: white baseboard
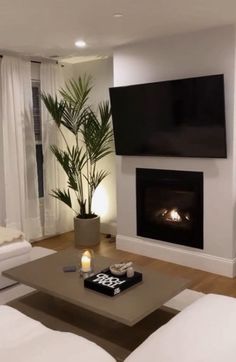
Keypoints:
pixel 106 228
pixel 45 237
pixel 193 259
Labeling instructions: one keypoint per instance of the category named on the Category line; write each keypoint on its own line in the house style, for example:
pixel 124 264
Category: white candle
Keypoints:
pixel 86 263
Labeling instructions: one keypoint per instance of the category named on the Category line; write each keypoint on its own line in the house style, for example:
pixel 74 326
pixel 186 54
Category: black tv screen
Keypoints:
pixel 183 118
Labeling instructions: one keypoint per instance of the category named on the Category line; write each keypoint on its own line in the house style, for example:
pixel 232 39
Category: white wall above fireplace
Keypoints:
pixel 182 56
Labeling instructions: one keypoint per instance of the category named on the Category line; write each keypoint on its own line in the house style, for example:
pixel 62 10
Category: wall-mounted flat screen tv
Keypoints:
pixel 183 118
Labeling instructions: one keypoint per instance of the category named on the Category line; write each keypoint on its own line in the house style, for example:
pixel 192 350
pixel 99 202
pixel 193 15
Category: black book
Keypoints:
pixel 107 283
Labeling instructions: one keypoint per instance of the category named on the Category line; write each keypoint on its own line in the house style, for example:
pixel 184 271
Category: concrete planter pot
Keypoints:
pixel 87 231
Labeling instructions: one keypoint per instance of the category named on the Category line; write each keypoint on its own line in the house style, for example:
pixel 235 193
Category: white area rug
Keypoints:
pixel 179 302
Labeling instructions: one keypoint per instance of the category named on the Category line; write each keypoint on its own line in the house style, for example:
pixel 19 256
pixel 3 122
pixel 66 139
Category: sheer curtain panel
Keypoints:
pixel 58 217
pixel 19 201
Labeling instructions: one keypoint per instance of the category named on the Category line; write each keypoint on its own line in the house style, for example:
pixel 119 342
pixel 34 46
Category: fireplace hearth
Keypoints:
pixel 170 206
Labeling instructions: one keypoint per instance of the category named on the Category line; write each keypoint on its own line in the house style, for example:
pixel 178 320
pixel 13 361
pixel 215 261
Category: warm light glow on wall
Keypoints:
pixel 100 201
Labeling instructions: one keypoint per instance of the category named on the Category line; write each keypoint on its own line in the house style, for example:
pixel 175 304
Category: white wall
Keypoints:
pixel 189 55
pixel 68 72
pixel 102 75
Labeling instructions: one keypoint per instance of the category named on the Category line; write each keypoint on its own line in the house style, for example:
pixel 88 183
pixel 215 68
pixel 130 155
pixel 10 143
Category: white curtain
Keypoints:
pixel 58 217
pixel 19 187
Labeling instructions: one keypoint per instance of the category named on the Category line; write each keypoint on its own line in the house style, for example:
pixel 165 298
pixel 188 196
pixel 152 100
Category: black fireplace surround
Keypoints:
pixel 170 206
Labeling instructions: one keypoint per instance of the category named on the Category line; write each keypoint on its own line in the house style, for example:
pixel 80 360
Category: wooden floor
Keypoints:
pixel 201 281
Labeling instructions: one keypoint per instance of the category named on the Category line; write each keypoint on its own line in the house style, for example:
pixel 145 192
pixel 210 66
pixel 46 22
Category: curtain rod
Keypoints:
pixel 32 61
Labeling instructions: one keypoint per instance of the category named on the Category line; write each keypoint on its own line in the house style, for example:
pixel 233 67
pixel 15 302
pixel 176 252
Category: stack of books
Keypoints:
pixel 106 283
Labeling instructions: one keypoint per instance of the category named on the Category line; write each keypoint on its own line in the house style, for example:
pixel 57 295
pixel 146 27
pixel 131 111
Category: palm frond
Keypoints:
pixel 73 118
pixel 54 107
pixel 63 196
pixel 97 133
pixel 105 112
pixel 63 158
pixel 76 92
pixel 77 157
pixel 71 182
pixel 96 178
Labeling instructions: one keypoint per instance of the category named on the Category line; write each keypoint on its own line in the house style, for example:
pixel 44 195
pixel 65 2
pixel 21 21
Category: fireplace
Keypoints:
pixel 170 206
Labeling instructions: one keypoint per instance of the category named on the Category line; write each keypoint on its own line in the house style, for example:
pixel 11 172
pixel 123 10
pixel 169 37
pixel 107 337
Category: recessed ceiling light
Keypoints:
pixel 80 44
pixel 117 15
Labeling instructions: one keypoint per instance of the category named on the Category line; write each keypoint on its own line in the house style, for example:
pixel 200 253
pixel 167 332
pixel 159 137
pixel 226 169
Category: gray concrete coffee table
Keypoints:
pixel 131 306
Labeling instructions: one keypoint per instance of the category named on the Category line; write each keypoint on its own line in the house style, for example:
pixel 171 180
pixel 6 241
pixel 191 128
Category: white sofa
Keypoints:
pixel 23 339
pixel 11 255
pixel 203 332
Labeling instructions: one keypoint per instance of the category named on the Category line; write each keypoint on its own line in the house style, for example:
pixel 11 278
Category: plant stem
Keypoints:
pixel 79 177
pixel 88 181
pixel 62 134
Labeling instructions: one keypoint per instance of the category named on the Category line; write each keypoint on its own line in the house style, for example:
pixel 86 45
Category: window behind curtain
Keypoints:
pixel 38 133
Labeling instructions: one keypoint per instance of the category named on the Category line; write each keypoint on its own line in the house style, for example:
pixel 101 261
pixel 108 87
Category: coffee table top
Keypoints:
pixel 129 307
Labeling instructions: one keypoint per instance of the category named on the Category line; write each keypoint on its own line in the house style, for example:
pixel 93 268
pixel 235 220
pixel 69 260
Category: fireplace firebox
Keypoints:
pixel 170 206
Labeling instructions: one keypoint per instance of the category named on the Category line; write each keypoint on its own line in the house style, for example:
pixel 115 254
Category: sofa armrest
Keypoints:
pixel 23 339
pixel 203 332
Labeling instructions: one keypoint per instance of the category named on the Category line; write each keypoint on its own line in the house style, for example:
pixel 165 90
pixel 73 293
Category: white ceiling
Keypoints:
pixel 50 27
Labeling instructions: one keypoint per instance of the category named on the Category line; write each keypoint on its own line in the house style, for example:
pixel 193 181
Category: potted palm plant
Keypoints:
pixel 92 140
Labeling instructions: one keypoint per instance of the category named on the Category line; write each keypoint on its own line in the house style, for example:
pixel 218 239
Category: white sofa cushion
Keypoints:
pixel 13 249
pixel 203 332
pixel 11 255
pixel 23 339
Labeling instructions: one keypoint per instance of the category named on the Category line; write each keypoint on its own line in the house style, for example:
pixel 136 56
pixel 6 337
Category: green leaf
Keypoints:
pixel 76 92
pixel 97 133
pixel 63 158
pixel 54 107
pixel 96 178
pixel 63 196
pixel 73 118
